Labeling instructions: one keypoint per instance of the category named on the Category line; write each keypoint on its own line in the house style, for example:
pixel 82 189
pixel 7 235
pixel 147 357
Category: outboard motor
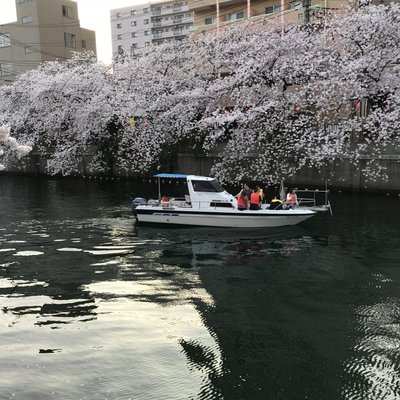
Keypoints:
pixel 138 201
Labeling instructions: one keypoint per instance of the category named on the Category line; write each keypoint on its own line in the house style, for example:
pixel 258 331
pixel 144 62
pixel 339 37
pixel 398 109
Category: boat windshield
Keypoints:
pixel 207 186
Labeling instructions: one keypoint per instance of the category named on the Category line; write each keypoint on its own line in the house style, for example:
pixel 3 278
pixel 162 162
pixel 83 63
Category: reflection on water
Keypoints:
pixel 375 367
pixel 310 311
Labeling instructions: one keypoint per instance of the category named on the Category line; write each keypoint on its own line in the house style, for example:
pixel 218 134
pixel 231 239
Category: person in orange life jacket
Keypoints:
pixel 255 200
pixel 291 199
pixel 164 199
pixel 243 197
pixel 242 200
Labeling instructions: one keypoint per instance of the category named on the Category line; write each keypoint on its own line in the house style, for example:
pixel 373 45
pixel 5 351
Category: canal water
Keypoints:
pixel 305 312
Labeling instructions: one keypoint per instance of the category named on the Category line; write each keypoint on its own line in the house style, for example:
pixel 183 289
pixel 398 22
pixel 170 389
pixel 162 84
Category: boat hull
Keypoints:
pixel 227 219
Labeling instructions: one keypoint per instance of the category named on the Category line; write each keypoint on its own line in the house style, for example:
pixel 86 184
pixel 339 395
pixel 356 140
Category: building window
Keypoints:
pixel 209 21
pixel 70 40
pixel 133 47
pixel 6 69
pixel 234 16
pixel 5 40
pixel 119 37
pixel 272 9
pixel 133 23
pixel 117 15
pixel 146 21
pixel 120 49
pixel 146 44
pixel 83 44
pixel 145 10
pixel 119 26
pixel 146 33
pixel 133 34
pixel 27 19
pixel 296 5
pixel 67 12
pixel 133 12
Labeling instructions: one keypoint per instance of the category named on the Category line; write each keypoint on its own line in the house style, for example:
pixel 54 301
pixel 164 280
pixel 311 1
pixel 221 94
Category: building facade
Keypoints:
pixel 212 15
pixel 45 30
pixel 134 28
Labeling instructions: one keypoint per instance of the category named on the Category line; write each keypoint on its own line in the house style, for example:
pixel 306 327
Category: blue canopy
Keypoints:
pixel 171 176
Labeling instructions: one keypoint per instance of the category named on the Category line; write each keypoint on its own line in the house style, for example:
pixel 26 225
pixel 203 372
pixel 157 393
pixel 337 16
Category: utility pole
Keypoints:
pixel 217 12
pixel 306 5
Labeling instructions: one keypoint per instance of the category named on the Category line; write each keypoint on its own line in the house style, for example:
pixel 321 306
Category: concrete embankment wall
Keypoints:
pixel 341 174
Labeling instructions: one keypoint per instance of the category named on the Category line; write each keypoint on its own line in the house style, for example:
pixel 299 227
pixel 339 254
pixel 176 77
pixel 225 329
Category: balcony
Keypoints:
pixel 158 23
pixel 170 9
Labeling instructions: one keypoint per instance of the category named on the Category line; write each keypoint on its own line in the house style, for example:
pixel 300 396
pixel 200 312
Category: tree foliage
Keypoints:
pixel 266 104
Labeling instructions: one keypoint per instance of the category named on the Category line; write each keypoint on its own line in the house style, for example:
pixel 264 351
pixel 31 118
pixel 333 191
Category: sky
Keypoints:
pixel 93 14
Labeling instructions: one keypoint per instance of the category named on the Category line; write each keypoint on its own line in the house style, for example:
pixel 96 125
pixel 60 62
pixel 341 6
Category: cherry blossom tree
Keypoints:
pixel 60 108
pixel 265 104
pixel 8 145
pixel 293 96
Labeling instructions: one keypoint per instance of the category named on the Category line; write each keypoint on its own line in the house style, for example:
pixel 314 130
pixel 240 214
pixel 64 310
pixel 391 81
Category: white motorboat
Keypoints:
pixel 209 204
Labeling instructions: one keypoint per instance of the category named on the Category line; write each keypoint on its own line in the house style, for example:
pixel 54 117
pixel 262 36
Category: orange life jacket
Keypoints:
pixel 242 201
pixel 291 198
pixel 255 198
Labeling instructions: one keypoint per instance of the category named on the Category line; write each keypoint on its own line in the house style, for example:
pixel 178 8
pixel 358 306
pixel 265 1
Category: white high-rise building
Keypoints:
pixel 134 28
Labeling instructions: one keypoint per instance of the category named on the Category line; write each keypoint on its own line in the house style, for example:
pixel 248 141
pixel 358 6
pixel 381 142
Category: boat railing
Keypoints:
pixel 311 198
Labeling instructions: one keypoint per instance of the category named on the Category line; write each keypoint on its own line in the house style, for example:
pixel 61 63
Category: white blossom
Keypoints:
pixel 263 104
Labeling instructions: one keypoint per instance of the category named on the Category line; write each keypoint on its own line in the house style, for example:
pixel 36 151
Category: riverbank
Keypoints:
pixel 339 175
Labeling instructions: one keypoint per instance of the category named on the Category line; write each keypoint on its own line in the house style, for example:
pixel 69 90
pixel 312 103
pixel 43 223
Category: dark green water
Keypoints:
pixel 306 312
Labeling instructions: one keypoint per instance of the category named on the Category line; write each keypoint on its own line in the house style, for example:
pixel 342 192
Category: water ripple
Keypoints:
pixel 375 372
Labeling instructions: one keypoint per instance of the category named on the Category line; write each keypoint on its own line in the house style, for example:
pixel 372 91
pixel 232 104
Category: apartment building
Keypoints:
pixel 134 28
pixel 214 15
pixel 45 30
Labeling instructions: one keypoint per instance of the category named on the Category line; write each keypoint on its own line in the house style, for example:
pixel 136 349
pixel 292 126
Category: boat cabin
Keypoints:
pixel 204 192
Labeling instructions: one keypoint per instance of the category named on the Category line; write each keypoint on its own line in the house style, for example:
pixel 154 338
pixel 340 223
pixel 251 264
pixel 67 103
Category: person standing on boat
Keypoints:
pixel 291 199
pixel 247 191
pixel 255 199
pixel 262 193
